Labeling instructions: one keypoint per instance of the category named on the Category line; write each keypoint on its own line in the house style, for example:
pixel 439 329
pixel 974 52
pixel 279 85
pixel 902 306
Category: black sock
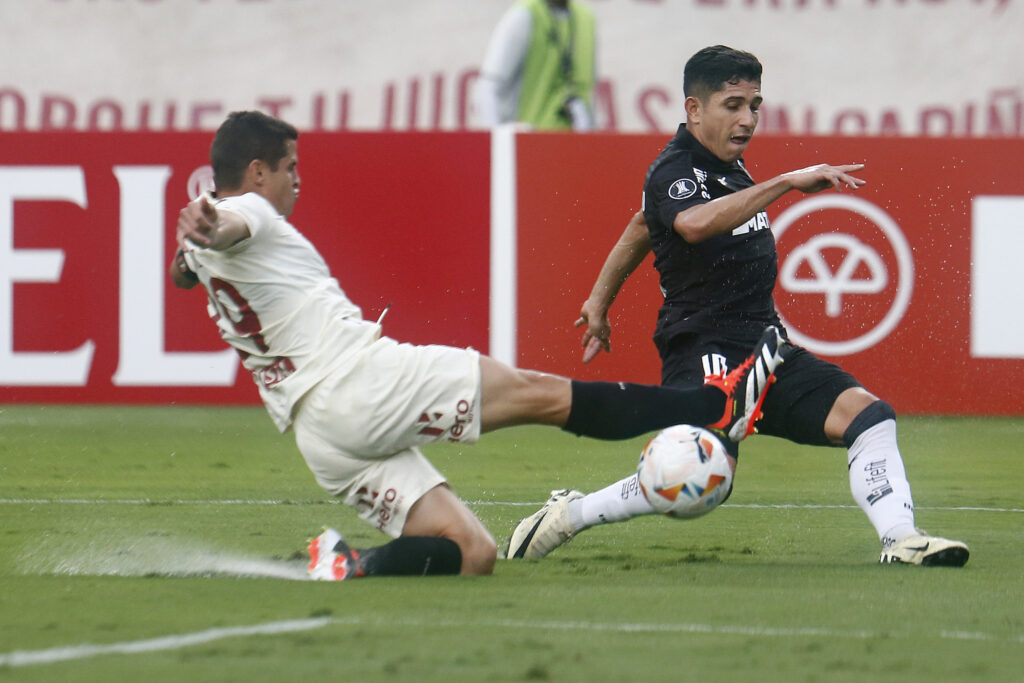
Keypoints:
pixel 610 410
pixel 410 556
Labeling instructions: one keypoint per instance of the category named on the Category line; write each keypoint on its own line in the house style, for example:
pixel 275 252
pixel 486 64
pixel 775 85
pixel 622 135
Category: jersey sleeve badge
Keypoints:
pixel 684 188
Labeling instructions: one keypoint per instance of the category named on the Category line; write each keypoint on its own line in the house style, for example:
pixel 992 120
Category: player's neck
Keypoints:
pixel 237 192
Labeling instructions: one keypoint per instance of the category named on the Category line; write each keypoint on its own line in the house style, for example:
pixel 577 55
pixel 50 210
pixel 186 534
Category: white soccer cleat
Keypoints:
pixel 930 551
pixel 544 530
pixel 325 562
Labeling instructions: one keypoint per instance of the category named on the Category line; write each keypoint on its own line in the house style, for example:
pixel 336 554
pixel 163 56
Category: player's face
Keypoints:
pixel 281 187
pixel 725 123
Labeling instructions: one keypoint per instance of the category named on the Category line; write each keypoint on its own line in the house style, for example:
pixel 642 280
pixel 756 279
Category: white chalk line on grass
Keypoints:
pixel 20 658
pixel 63 654
pixel 477 503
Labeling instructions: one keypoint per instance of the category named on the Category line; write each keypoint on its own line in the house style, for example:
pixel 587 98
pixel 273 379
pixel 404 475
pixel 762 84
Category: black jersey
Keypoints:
pixel 722 285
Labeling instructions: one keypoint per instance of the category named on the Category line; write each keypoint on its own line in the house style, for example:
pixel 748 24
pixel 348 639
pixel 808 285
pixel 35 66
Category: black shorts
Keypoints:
pixel 797 403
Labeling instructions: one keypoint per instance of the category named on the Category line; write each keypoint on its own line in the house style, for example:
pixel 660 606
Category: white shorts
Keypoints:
pixel 359 428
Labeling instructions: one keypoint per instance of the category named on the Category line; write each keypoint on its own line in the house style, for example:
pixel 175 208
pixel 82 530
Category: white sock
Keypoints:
pixel 878 482
pixel 616 503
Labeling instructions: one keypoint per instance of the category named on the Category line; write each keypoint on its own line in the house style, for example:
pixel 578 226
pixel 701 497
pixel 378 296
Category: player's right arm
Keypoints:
pixel 703 221
pixel 628 253
pixel 200 223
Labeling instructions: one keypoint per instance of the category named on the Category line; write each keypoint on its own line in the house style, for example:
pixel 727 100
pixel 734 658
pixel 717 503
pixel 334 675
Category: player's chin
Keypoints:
pixel 738 145
pixel 288 205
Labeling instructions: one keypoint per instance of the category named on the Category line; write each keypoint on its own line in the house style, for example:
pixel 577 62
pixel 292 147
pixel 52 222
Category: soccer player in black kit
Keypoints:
pixel 704 218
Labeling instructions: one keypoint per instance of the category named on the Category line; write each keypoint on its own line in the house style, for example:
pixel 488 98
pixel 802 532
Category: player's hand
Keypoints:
pixel 197 222
pixel 597 335
pixel 822 177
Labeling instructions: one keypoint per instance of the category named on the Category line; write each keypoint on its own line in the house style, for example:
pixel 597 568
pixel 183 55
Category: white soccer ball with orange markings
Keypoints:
pixel 685 471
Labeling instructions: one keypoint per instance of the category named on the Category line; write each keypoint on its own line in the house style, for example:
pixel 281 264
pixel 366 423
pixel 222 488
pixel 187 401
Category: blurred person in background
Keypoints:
pixel 540 67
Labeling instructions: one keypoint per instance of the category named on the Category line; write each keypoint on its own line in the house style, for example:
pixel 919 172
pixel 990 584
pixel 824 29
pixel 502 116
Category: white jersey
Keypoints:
pixel 274 300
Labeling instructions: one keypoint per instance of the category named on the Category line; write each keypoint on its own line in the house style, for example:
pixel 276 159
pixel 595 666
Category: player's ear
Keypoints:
pixel 255 172
pixel 694 109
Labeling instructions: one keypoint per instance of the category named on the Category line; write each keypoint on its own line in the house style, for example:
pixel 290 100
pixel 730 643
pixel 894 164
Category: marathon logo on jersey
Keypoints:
pixel 876 474
pixel 684 188
pixel 758 222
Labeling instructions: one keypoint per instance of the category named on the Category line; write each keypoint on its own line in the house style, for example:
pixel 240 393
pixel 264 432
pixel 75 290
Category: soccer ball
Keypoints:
pixel 684 472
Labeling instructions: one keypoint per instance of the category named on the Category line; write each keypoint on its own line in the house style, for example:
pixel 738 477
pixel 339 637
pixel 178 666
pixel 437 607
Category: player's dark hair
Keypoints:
pixel 244 136
pixel 710 69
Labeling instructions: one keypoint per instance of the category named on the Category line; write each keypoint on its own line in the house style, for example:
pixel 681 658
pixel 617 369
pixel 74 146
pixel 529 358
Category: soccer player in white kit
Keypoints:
pixel 360 403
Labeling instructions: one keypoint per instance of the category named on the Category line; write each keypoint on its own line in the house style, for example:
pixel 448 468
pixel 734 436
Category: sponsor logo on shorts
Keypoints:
pixel 463 417
pixel 383 506
pixel 433 424
pixel 427 424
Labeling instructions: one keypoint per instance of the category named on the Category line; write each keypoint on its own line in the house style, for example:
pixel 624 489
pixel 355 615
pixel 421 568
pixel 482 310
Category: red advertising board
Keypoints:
pixel 884 281
pixel 401 219
pixel 878 280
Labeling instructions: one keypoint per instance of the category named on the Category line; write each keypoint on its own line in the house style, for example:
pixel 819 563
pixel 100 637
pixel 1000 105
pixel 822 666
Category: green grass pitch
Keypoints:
pixel 162 544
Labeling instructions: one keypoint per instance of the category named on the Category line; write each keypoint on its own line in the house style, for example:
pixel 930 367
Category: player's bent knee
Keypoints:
pixel 874 414
pixel 478 548
pixel 440 513
pixel 479 551
pixel 479 555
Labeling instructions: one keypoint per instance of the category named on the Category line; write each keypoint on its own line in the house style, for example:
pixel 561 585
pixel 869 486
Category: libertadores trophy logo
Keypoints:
pixel 846 283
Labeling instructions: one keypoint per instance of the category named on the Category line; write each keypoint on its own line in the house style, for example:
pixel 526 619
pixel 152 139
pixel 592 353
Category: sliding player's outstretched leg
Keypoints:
pixel 730 404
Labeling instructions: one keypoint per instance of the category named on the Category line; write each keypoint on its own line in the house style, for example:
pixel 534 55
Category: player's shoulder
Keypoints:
pixel 674 156
pixel 250 201
pixel 672 164
pixel 259 214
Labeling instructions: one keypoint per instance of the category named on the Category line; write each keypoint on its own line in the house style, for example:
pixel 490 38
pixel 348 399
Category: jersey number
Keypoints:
pixel 242 318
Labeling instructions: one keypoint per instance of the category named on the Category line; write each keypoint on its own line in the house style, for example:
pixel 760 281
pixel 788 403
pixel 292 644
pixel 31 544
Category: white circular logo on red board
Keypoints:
pixel 848 266
pixel 200 181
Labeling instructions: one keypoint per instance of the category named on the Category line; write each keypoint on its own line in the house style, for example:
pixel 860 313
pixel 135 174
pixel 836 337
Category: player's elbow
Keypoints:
pixel 692 228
